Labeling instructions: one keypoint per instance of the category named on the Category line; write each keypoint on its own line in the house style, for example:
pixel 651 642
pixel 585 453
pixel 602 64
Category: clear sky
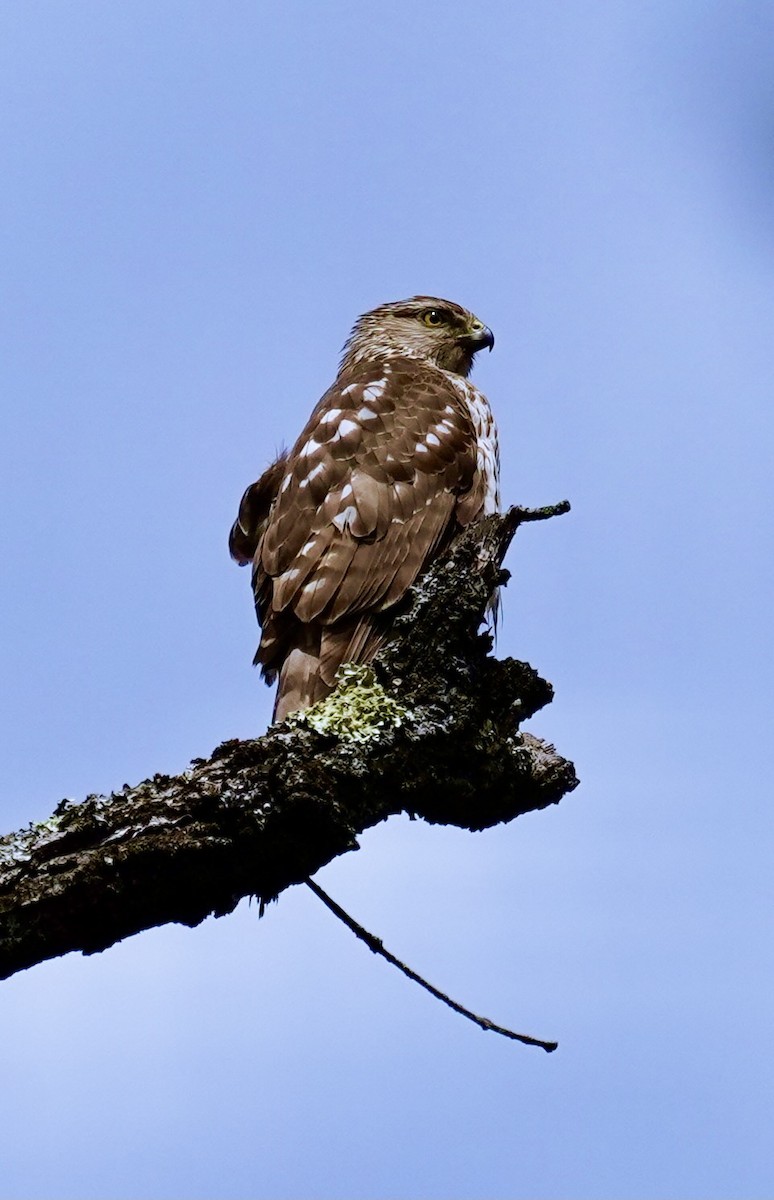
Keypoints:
pixel 197 200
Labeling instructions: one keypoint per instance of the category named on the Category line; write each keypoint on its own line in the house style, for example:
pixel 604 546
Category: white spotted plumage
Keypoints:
pixel 487 442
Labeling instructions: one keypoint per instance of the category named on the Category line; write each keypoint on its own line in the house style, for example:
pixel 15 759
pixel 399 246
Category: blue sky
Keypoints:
pixel 197 201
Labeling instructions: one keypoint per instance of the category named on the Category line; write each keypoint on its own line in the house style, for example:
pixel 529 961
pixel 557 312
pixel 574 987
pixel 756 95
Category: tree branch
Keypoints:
pixel 432 729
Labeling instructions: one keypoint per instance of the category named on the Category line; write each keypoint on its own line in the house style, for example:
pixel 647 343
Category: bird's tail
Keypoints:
pixel 308 672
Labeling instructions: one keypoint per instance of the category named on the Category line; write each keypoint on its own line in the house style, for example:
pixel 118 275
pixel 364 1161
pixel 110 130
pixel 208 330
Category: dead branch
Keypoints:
pixel 442 743
pixel 376 946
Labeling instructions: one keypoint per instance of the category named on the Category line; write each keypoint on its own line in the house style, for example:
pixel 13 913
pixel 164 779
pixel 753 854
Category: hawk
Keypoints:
pixel 399 454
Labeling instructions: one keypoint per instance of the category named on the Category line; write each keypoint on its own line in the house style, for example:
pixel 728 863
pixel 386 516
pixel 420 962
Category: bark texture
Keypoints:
pixel 432 729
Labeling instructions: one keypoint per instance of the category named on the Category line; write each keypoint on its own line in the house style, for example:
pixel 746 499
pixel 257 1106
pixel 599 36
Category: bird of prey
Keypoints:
pixel 399 454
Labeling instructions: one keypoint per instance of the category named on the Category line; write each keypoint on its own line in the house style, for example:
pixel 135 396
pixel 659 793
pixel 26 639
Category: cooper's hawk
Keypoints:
pixel 398 455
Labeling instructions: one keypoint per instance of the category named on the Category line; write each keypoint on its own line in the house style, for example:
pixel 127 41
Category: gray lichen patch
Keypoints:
pixel 19 847
pixel 359 710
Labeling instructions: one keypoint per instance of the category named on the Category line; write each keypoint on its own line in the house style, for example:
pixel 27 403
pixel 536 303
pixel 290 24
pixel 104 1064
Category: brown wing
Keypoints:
pixel 372 487
pixel 254 508
pixel 250 525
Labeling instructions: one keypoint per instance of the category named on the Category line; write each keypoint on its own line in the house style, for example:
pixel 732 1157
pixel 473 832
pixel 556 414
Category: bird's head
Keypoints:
pixel 424 327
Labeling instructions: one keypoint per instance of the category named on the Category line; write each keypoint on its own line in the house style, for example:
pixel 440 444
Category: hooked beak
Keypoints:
pixel 478 336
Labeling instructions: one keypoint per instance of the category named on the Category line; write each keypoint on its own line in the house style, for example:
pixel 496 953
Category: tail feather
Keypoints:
pixel 308 672
pixel 300 683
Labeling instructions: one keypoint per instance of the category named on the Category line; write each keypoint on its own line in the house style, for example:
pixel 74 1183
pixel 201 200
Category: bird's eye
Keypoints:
pixel 432 317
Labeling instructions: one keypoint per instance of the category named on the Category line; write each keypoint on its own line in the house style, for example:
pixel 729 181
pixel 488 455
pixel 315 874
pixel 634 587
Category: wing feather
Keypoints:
pixel 370 491
pixel 253 515
pixel 383 473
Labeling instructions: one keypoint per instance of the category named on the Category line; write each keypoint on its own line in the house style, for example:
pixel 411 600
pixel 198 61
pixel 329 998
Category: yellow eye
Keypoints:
pixel 432 317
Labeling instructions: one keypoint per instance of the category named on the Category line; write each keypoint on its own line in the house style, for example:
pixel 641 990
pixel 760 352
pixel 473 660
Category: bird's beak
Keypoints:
pixel 478 336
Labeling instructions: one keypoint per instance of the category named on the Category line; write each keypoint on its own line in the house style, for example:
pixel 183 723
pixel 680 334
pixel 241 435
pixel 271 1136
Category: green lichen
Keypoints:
pixel 359 710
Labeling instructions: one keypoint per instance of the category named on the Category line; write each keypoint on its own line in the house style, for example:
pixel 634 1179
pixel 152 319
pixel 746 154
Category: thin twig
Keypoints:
pixel 541 514
pixel 376 946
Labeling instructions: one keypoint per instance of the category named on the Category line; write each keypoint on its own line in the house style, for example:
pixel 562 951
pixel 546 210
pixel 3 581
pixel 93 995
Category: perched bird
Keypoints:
pixel 399 454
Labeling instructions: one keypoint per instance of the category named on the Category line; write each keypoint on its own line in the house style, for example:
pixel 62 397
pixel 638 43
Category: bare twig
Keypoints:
pixel 375 944
pixel 541 514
